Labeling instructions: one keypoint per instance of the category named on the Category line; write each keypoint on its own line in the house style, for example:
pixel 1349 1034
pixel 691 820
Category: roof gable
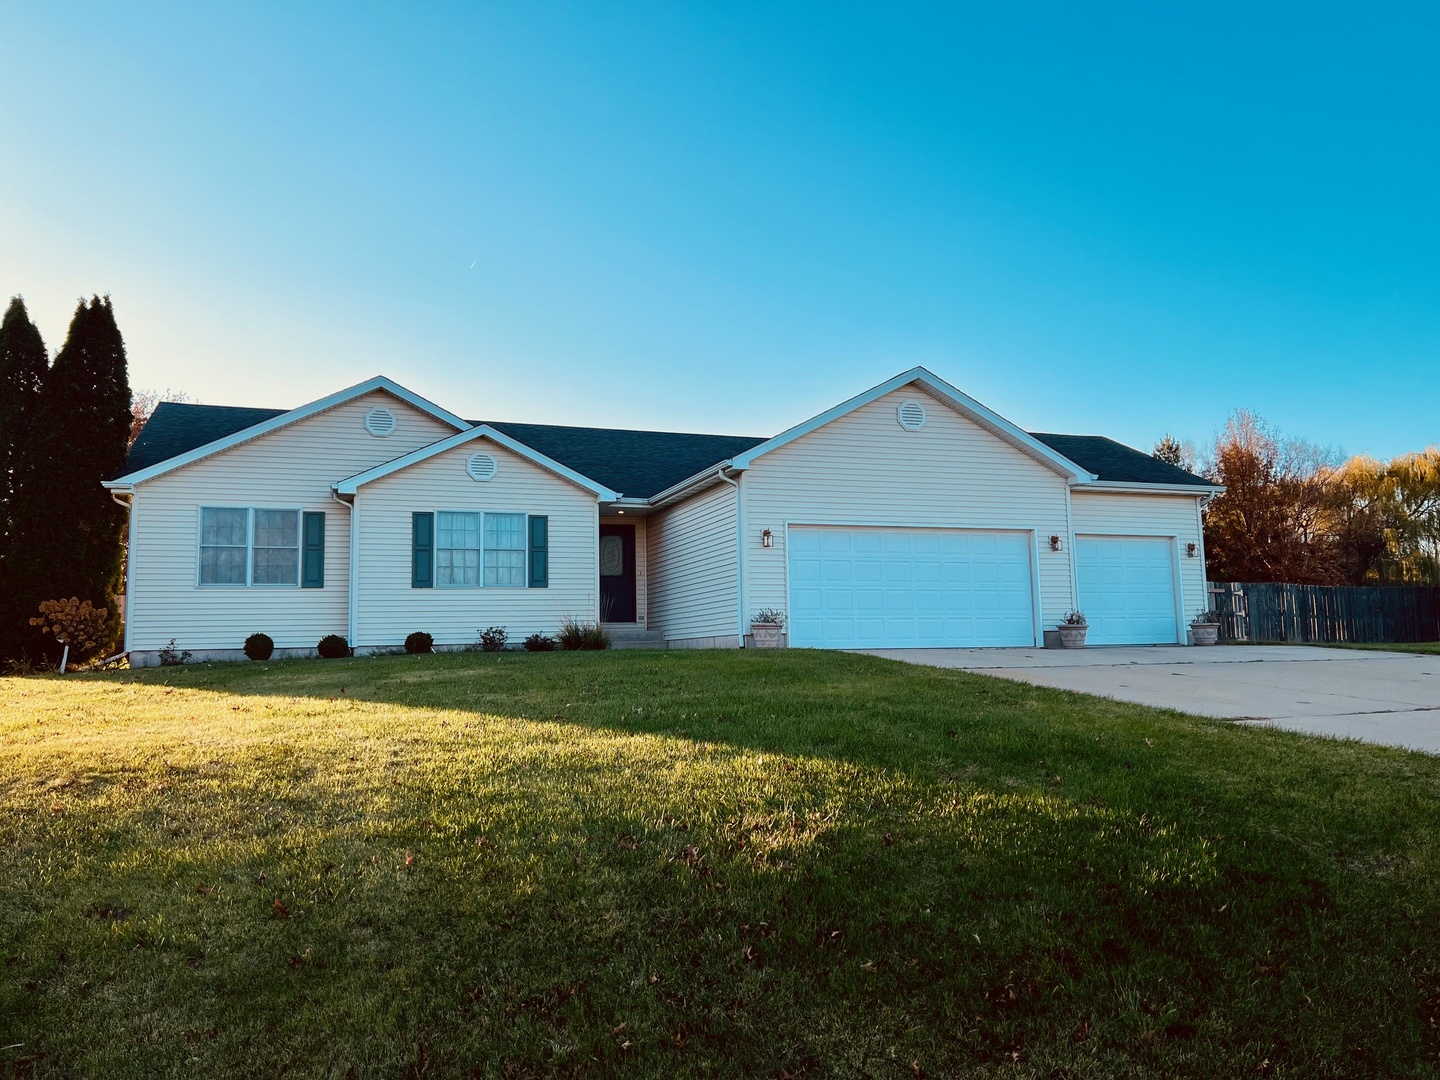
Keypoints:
pixel 962 403
pixel 350 485
pixel 185 425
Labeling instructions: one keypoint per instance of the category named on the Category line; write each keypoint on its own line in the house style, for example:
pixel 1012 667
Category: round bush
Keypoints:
pixel 259 647
pixel 333 646
pixel 419 642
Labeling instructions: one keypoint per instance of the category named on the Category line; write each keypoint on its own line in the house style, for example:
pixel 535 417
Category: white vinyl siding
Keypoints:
pixel 865 469
pixel 291 468
pixel 1169 516
pixel 910 588
pixel 691 557
pixel 388 608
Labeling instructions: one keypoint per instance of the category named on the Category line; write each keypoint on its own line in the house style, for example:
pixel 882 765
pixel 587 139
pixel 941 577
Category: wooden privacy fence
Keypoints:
pixel 1277 612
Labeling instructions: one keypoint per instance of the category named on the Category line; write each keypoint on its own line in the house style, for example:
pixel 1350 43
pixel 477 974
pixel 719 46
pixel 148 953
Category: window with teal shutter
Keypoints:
pixel 422 551
pixel 312 558
pixel 539 552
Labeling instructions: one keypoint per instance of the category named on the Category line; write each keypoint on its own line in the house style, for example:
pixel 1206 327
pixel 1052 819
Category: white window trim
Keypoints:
pixel 480 583
pixel 250 582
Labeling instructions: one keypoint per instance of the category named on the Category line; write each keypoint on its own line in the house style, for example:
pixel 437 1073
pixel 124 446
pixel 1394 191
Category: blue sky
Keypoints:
pixel 1124 220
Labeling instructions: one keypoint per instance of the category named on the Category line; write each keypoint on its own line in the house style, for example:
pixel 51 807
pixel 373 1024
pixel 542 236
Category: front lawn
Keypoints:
pixel 1407 647
pixel 696 864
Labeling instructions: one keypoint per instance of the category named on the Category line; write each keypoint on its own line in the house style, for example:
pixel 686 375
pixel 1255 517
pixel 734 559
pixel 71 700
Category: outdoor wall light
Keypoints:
pixel 1055 543
pixel 767 539
pixel 1192 550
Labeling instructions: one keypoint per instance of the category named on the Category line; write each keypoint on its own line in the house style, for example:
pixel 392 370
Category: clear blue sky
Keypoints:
pixel 726 217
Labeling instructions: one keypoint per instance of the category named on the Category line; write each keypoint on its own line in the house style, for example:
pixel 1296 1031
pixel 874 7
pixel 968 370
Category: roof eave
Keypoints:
pixel 691 484
pixel 1150 489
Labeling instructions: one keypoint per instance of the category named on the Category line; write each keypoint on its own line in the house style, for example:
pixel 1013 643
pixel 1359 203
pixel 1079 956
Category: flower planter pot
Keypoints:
pixel 1072 637
pixel 1205 633
pixel 765 635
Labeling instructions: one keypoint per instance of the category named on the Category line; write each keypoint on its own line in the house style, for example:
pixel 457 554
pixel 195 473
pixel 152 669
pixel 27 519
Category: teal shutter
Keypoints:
pixel 312 551
pixel 539 552
pixel 422 551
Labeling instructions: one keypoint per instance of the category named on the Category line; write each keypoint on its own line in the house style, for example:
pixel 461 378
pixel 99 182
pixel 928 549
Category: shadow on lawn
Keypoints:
pixel 657 849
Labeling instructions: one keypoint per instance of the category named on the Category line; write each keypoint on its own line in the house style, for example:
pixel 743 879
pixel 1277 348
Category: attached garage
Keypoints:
pixel 890 588
pixel 1126 587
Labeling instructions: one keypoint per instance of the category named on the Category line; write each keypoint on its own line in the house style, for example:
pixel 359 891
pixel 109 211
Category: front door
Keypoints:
pixel 617 573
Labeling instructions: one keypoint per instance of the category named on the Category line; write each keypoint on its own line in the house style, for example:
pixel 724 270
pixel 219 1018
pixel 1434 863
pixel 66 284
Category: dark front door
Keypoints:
pixel 617 573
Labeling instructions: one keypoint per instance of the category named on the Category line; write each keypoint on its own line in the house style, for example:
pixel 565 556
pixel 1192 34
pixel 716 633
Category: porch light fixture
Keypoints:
pixel 619 511
pixel 767 539
pixel 1054 542
pixel 1192 550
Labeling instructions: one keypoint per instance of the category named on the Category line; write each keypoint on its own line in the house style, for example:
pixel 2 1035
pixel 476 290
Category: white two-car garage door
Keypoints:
pixel 874 588
pixel 1127 589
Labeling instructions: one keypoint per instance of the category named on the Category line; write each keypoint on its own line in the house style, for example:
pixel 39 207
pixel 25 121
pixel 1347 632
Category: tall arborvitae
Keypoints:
pixel 23 361
pixel 67 530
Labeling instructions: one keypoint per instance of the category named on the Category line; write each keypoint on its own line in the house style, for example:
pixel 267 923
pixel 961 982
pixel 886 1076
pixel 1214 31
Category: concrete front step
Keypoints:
pixel 632 636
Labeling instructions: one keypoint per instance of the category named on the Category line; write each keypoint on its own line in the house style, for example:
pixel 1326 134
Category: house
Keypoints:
pixel 908 516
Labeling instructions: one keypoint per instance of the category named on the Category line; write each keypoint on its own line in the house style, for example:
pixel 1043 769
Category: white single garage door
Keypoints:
pixel 1127 589
pixel 865 588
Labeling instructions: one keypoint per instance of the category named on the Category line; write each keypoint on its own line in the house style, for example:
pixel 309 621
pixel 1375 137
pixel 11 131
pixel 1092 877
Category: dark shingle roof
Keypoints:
pixel 1116 462
pixel 636 463
pixel 176 428
pixel 639 464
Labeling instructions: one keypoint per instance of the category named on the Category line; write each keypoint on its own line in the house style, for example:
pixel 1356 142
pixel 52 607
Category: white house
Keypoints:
pixel 909 516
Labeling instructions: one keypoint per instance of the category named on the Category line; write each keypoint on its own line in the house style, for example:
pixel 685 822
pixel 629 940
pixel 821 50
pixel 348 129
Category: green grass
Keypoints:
pixel 696 864
pixel 1408 647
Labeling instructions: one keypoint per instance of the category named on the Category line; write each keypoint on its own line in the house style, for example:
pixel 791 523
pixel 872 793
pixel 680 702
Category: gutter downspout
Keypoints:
pixel 739 557
pixel 350 571
pixel 129 506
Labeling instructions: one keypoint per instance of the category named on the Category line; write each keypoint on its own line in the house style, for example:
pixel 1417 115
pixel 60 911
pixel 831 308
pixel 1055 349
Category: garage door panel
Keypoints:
pixel 898 588
pixel 1126 588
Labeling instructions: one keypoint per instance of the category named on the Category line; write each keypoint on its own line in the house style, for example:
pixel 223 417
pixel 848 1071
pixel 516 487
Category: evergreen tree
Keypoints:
pixel 1170 451
pixel 67 531
pixel 23 362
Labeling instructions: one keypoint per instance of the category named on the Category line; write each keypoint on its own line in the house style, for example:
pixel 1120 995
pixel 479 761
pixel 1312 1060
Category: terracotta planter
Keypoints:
pixel 1072 637
pixel 1205 633
pixel 766 635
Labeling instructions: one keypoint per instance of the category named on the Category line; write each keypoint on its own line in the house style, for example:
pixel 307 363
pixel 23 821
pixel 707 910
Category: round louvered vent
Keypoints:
pixel 380 422
pixel 481 467
pixel 911 415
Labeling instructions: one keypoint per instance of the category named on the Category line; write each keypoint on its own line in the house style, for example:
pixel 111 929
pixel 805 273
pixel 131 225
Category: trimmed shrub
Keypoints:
pixel 587 636
pixel 333 647
pixel 259 647
pixel 419 642
pixel 492 639
pixel 539 643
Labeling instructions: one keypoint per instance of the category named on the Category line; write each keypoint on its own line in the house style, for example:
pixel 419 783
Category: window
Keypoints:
pixel 275 557
pixel 457 549
pixel 242 546
pixel 224 545
pixel 505 550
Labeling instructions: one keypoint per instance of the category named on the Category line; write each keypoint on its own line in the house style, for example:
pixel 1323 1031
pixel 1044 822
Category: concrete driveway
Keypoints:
pixel 1381 697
